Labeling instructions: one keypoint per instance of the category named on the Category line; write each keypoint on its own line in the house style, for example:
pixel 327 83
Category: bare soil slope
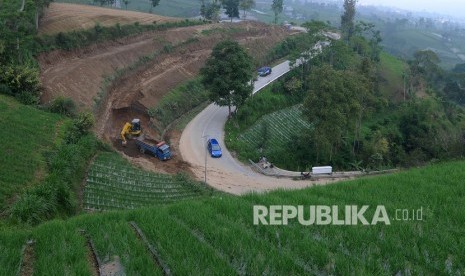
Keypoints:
pixel 63 17
pixel 79 74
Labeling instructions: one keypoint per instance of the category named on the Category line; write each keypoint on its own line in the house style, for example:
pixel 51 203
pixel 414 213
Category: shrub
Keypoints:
pixel 81 126
pixel 21 81
pixel 178 102
pixel 31 209
pixel 63 106
pixel 55 194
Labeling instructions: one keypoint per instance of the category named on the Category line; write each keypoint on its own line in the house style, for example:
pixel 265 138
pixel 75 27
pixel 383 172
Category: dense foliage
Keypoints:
pixel 368 110
pixel 19 73
pixel 227 74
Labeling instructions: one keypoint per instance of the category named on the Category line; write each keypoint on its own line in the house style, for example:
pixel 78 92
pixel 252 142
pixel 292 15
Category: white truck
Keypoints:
pixel 322 170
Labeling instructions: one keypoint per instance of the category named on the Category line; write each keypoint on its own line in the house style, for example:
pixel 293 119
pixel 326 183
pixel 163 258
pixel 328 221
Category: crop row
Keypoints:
pixel 112 183
pixel 123 170
pixel 134 187
pixel 147 182
pixel 98 200
pixel 217 236
pixel 279 127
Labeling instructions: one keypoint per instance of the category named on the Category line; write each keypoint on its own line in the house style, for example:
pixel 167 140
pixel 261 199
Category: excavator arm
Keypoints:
pixel 125 131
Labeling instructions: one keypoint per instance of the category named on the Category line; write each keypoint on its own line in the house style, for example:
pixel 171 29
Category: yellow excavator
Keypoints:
pixel 130 129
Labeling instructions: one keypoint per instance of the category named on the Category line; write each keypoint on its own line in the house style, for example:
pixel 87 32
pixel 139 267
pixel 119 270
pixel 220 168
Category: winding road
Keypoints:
pixel 227 173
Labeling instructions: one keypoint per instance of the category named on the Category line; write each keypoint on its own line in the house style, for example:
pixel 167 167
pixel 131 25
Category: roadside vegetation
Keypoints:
pixel 177 103
pixel 216 235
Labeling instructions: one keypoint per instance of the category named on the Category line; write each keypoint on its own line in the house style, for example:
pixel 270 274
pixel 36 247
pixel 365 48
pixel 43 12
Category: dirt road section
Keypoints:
pixel 64 17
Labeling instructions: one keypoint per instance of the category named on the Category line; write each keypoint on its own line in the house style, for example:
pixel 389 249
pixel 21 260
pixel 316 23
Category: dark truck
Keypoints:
pixel 160 150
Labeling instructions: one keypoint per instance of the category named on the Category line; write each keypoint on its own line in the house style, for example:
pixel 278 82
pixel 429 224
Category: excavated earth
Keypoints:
pixel 80 75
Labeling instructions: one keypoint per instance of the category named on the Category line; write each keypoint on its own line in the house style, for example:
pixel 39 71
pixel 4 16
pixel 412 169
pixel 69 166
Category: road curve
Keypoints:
pixel 227 173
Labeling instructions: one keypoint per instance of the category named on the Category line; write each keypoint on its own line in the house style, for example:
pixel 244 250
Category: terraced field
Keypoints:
pixel 278 127
pixel 217 236
pixel 28 134
pixel 114 184
pixel 63 17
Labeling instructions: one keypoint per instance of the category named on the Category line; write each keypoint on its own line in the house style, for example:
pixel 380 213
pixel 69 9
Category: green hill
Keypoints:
pixel 216 236
pixel 27 134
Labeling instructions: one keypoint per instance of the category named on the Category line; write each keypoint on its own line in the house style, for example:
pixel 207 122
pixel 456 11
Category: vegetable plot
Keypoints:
pixel 276 129
pixel 113 184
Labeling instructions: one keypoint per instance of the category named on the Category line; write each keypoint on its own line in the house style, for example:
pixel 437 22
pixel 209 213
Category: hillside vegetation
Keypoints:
pixel 369 110
pixel 217 235
pixel 28 134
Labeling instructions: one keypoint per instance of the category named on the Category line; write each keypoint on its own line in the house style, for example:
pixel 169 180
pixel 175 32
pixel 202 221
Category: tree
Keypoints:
pixel 126 2
pixel 231 7
pixel 210 10
pixel 347 19
pixel 425 66
pixel 454 92
pixel 246 5
pixel 155 3
pixel 277 8
pixel 105 2
pixel 306 59
pixel 366 31
pixel 227 74
pixel 335 104
pixel 40 5
pixel 459 68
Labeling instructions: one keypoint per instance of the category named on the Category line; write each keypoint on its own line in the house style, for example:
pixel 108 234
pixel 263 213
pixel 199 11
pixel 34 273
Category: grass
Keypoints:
pixel 28 134
pixel 11 243
pixel 114 239
pixel 114 184
pixel 66 247
pixel 216 236
pixel 178 102
pixel 392 70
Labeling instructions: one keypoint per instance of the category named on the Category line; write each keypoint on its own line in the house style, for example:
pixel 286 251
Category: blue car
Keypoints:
pixel 214 148
pixel 264 71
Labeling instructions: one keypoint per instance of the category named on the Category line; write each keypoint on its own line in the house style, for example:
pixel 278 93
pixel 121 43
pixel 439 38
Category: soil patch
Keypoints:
pixel 65 17
pixel 27 263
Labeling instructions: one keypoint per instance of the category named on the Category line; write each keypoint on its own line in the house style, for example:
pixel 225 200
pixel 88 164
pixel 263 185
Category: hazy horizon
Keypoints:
pixel 454 8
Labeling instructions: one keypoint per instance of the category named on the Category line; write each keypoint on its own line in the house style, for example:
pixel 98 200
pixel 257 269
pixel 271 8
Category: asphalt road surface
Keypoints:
pixel 227 173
